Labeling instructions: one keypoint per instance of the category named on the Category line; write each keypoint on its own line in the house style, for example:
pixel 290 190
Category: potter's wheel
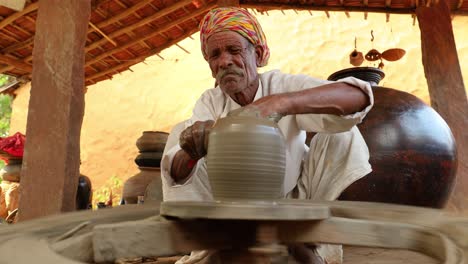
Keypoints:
pixel 245 210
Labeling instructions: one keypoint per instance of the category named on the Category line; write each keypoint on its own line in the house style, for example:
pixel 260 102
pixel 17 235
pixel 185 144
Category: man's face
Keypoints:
pixel 232 61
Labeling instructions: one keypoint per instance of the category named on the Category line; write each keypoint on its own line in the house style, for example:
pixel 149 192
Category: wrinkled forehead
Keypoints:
pixel 225 39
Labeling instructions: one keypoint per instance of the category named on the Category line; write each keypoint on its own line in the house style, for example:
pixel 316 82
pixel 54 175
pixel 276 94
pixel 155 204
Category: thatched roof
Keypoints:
pixel 125 32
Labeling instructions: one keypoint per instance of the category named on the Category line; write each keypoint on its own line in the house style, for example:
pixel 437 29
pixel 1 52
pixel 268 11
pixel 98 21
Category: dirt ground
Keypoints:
pixel 361 255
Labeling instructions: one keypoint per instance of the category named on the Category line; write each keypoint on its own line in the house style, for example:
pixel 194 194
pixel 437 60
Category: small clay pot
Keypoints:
pixel 11 172
pixel 84 193
pixel 356 58
pixel 152 141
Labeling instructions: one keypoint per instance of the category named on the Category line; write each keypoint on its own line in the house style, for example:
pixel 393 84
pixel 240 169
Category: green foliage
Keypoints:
pixel 113 184
pixel 5 114
pixel 4 79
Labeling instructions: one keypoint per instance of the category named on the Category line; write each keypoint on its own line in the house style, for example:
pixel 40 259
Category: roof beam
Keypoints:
pixel 15 63
pixel 152 34
pixel 273 6
pixel 228 2
pixel 140 23
pixel 124 14
pixel 14 16
pixel 101 24
pixel 141 57
pixel 6 68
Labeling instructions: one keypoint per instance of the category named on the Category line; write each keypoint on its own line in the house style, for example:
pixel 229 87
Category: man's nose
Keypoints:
pixel 225 60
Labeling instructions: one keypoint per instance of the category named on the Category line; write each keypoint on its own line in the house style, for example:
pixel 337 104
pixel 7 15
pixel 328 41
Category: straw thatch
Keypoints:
pixel 124 32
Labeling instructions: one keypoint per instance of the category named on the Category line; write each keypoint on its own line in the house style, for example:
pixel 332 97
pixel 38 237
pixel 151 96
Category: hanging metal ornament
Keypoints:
pixel 381 64
pixel 373 55
pixel 356 58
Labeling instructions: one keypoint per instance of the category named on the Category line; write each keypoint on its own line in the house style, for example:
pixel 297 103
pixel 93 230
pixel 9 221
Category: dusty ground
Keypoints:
pixel 360 255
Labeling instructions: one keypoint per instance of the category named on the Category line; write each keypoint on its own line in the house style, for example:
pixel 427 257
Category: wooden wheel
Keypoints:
pixel 136 231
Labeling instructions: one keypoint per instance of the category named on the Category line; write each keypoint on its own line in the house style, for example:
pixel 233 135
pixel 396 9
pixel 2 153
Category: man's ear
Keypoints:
pixel 259 53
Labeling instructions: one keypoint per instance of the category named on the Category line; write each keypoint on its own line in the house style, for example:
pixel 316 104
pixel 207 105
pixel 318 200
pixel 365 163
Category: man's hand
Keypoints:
pixel 194 139
pixel 194 143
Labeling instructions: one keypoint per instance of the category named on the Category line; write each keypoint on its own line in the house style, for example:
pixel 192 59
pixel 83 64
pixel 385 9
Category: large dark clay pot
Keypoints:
pixel 412 150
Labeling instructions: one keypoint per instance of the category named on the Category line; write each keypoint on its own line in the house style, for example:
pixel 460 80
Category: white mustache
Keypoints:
pixel 235 71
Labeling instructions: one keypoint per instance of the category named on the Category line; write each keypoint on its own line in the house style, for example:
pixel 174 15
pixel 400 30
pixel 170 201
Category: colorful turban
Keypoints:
pixel 237 20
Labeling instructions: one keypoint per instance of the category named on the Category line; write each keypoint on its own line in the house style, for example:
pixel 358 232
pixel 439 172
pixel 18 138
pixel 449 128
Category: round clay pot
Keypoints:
pixel 149 159
pixel 136 185
pixel 246 158
pixel 152 141
pixel 11 172
pixel 412 150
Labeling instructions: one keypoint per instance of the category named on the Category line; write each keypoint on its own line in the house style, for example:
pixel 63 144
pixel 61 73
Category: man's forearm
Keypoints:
pixel 182 165
pixel 335 98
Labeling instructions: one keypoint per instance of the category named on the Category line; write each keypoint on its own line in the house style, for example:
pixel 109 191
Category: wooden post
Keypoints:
pixel 445 82
pixel 56 108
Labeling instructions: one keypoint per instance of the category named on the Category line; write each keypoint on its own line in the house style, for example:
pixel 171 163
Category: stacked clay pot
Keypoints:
pixel 9 187
pixel 412 150
pixel 151 146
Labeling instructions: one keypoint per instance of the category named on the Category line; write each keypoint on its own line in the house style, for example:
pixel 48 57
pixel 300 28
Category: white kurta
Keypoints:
pixel 214 104
pixel 338 155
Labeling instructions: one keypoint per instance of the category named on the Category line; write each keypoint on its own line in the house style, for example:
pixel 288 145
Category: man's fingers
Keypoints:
pixel 187 143
pixel 197 135
pixel 194 138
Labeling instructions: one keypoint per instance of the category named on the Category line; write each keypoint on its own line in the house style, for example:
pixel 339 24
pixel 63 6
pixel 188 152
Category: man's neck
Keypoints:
pixel 247 95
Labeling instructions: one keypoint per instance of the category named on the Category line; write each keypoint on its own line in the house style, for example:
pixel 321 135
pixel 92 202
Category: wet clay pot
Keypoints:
pixel 412 150
pixel 246 159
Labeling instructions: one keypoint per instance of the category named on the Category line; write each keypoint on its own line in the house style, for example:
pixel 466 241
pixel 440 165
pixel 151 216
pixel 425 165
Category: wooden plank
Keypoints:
pixel 102 33
pixel 152 34
pixel 13 17
pixel 445 83
pixel 52 155
pixel 140 58
pixel 140 23
pixel 15 63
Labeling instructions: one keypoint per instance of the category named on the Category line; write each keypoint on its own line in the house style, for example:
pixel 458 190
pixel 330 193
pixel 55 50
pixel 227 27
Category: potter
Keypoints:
pixel 234 46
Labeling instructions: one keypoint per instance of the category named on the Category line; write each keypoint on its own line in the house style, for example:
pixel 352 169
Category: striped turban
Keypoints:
pixel 237 20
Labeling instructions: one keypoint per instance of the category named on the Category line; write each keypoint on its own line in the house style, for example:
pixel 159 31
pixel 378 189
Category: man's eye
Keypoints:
pixel 214 55
pixel 236 51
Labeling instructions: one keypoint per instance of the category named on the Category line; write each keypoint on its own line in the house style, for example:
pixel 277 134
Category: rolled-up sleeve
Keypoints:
pixel 326 123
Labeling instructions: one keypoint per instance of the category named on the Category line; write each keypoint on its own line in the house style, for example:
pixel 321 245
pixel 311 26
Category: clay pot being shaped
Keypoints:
pixel 412 150
pixel 246 158
pixel 152 141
